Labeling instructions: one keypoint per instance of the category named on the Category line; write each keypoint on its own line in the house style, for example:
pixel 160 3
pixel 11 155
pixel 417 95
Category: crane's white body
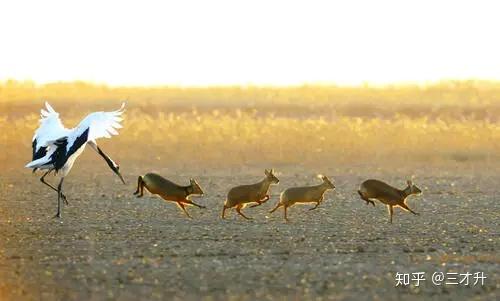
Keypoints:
pixel 71 160
pixel 52 133
pixel 55 148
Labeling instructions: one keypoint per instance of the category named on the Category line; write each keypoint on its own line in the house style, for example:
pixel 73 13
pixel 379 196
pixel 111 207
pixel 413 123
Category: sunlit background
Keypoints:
pixel 344 76
pixel 249 42
pixel 219 91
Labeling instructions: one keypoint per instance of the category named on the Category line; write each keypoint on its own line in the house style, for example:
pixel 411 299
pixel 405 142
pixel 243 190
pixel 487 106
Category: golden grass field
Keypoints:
pixel 312 125
pixel 110 245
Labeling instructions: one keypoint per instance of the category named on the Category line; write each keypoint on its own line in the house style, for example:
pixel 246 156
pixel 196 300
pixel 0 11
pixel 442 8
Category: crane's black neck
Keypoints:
pixel 108 160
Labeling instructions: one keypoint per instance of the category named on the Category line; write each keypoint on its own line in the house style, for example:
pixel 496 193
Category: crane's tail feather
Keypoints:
pixel 38 163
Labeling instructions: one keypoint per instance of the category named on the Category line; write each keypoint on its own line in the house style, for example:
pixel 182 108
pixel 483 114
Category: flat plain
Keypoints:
pixel 111 245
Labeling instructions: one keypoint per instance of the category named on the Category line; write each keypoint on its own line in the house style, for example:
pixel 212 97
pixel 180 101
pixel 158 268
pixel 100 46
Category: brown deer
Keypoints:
pixel 169 191
pixel 386 194
pixel 306 194
pixel 240 196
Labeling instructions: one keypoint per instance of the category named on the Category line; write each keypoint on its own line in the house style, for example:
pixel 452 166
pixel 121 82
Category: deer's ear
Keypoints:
pixel 409 182
pixel 272 170
pixel 266 171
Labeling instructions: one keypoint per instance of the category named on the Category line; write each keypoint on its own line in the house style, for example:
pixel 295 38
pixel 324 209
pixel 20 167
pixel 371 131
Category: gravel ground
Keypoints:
pixel 111 245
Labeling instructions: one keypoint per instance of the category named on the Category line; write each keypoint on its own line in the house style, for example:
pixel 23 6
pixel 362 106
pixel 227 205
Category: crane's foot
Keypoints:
pixel 58 215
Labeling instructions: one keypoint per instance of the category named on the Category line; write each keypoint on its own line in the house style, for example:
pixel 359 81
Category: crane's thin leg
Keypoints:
pixel 59 192
pixel 42 179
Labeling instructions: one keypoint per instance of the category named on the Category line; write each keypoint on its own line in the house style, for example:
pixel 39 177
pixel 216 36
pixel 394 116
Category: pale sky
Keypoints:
pixel 249 42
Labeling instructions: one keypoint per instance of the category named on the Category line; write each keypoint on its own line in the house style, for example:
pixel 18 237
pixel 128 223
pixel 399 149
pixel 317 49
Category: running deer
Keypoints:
pixel 304 195
pixel 240 196
pixel 386 194
pixel 169 191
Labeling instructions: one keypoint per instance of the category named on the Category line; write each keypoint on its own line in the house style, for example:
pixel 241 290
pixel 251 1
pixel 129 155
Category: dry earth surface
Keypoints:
pixel 111 245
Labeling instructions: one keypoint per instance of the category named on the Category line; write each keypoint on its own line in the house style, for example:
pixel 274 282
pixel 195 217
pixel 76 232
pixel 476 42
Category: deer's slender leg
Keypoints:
pixel 260 202
pixel 405 207
pixel 391 212
pixel 223 212
pixel 142 187
pixel 192 203
pixel 317 204
pixel 140 183
pixel 367 200
pixel 238 209
pixel 275 208
pixel 286 216
pixel 183 208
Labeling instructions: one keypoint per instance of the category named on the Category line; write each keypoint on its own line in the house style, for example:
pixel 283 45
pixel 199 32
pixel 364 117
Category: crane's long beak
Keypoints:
pixel 121 178
pixel 117 172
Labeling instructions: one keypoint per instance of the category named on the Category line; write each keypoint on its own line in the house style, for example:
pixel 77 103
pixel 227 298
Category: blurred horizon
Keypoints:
pixel 455 122
pixel 300 82
pixel 324 84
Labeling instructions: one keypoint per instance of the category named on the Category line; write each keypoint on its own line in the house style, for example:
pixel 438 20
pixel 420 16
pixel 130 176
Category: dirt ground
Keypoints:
pixel 111 245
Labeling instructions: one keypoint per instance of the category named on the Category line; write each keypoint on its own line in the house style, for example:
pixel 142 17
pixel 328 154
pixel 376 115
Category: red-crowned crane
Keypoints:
pixel 55 148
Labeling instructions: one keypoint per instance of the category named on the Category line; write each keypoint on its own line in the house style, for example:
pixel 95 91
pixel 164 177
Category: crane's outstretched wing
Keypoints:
pixel 50 129
pixel 94 126
pixel 60 147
